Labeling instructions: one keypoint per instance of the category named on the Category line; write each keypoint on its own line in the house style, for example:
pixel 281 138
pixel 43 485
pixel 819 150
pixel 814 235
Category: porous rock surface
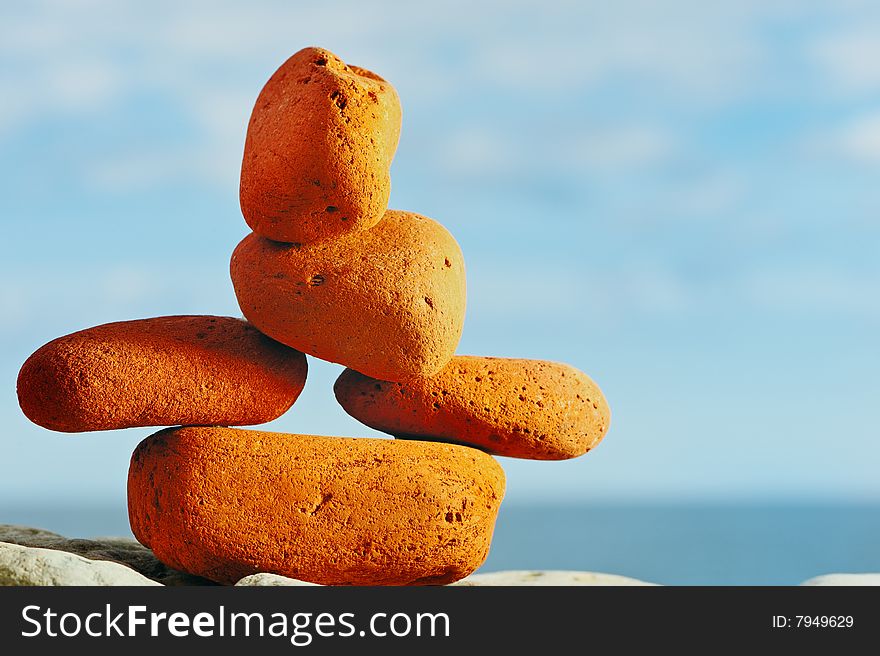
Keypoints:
pixel 225 503
pixel 388 302
pixel 511 407
pixel 160 372
pixel 319 145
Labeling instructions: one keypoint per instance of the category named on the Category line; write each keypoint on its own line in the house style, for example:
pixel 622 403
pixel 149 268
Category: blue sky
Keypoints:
pixel 679 198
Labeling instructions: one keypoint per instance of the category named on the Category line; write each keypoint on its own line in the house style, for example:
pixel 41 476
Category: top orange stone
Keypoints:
pixel 319 145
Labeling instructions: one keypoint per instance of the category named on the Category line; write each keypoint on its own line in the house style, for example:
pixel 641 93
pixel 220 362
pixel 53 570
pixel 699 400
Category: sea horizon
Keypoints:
pixel 665 542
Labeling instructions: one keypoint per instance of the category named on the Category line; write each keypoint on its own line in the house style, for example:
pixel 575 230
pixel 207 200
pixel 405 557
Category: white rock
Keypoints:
pixel 515 577
pixel 547 577
pixel 844 579
pixel 271 579
pixel 35 566
pixel 126 551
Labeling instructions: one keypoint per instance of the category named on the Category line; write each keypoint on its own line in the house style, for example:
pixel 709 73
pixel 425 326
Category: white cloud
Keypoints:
pixel 860 140
pixel 130 286
pixel 75 57
pixel 83 83
pixel 89 296
pixel 704 196
pixel 709 194
pixel 13 112
pixel 620 148
pixel 479 151
pixel 482 151
pixel 855 140
pixel 223 113
pixel 851 58
pixel 143 170
pixel 709 51
pixel 831 292
pixel 638 290
pixel 569 291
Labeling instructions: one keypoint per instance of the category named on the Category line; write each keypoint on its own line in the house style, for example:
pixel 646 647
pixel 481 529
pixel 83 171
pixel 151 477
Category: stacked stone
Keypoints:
pixel 331 272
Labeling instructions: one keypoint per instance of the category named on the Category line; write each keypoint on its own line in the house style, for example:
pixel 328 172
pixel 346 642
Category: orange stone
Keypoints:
pixel 388 301
pixel 224 503
pixel 160 372
pixel 319 146
pixel 519 408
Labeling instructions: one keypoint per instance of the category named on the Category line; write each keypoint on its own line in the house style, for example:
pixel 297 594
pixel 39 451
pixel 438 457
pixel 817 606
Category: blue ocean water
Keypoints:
pixel 723 544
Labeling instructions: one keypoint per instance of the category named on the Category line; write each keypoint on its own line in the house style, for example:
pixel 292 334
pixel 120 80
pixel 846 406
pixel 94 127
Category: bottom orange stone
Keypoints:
pixel 224 503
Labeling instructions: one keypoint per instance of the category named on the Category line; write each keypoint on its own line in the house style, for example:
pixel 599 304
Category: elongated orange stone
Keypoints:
pixel 160 372
pixel 521 408
pixel 225 503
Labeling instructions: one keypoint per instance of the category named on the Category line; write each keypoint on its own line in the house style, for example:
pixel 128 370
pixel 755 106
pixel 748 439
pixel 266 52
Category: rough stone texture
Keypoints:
pixel 388 302
pixel 319 145
pixel 844 580
pixel 520 408
pixel 263 579
pixel 26 535
pixel 225 503
pixel 125 551
pixel 547 577
pixel 160 372
pixel 34 566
